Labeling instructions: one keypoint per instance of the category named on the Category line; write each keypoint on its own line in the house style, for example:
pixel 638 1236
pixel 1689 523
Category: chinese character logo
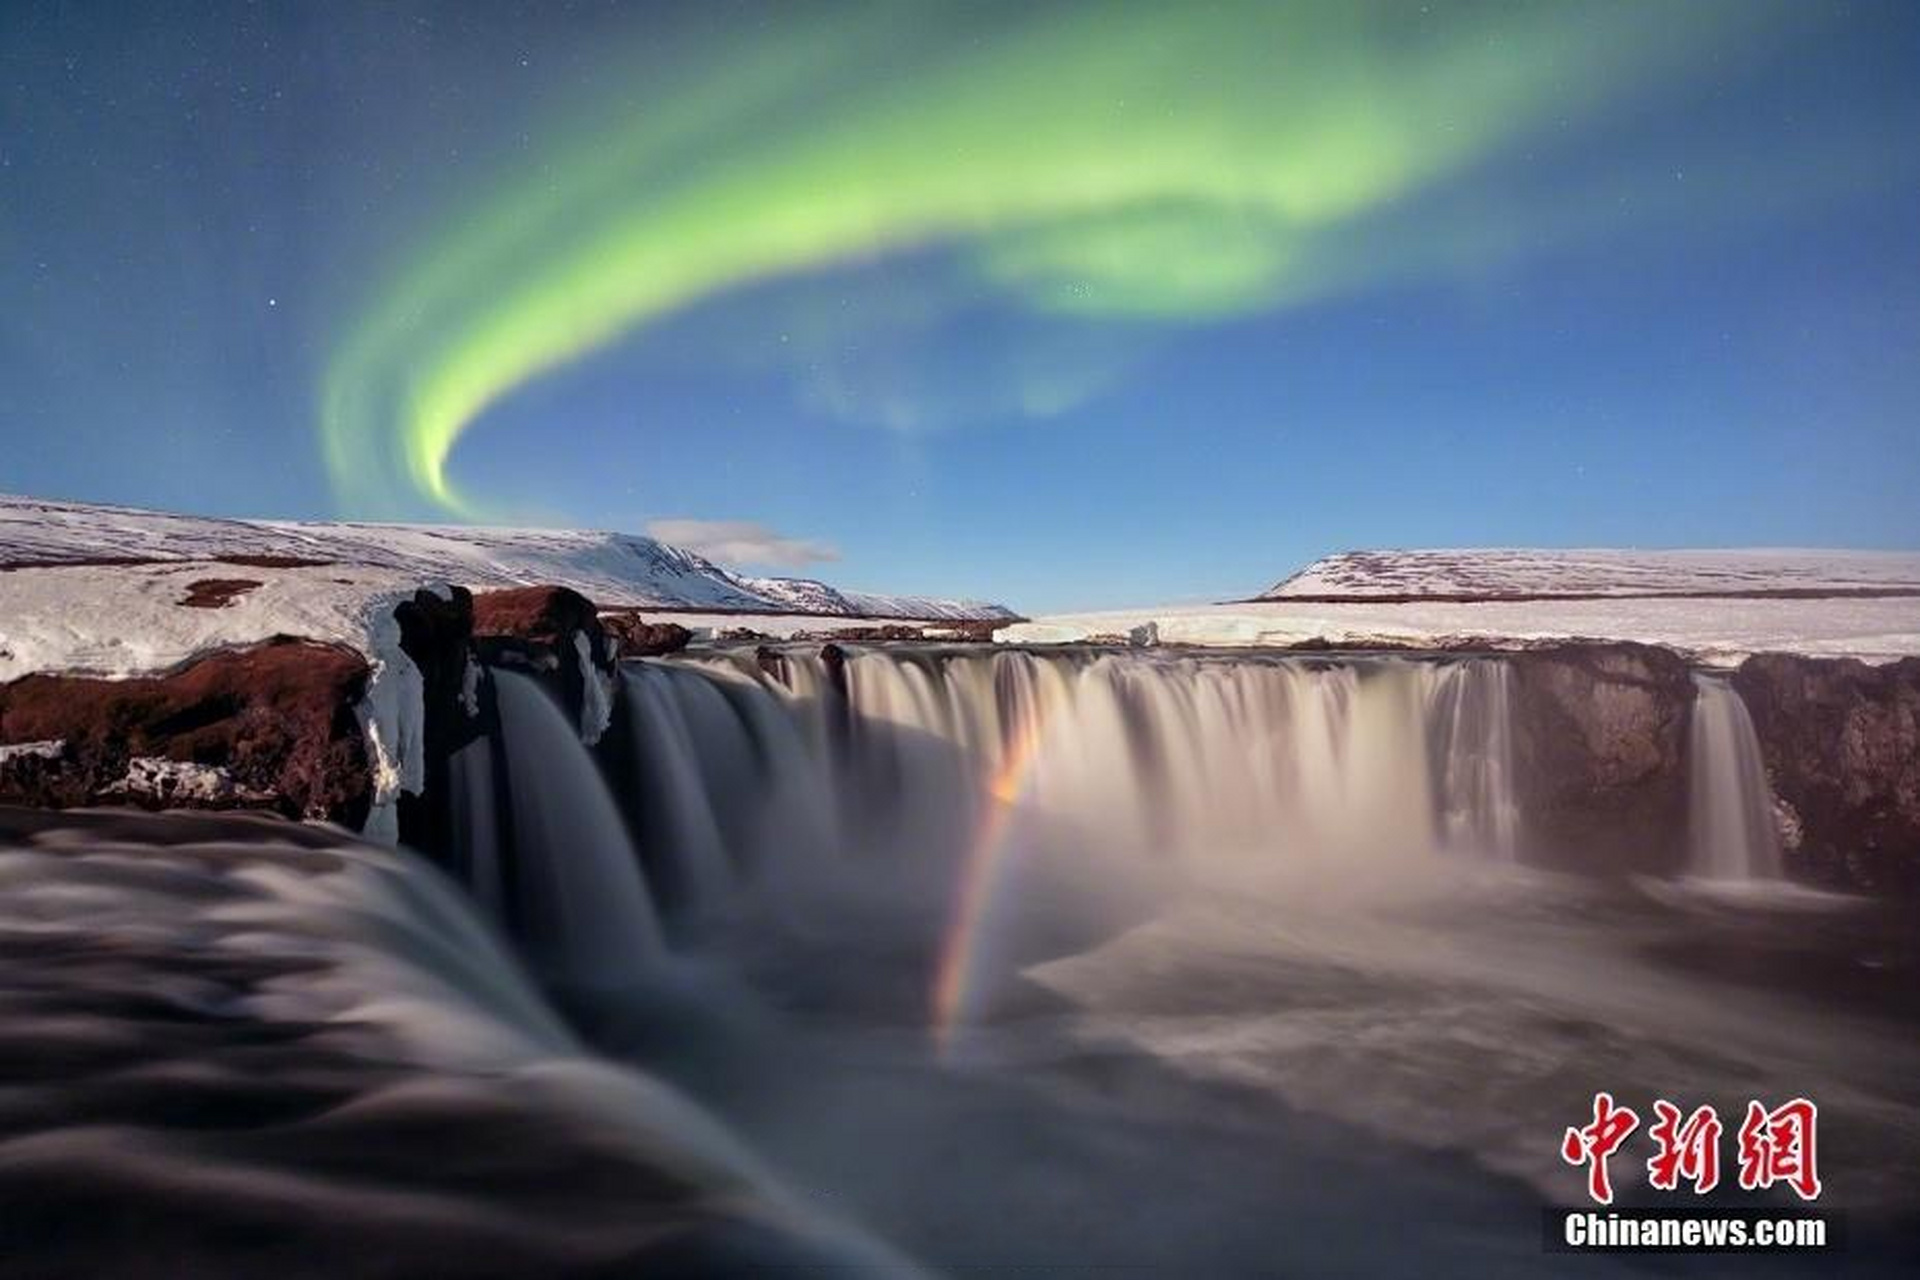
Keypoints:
pixel 1689 1151
pixel 1592 1145
pixel 1775 1146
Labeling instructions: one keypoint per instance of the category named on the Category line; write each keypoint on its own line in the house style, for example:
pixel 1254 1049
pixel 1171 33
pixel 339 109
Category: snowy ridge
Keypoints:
pixel 612 569
pixel 1510 574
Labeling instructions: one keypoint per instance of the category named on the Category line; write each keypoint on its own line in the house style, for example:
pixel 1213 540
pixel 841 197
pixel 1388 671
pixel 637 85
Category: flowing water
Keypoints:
pixel 1732 834
pixel 1204 964
pixel 1065 964
pixel 575 891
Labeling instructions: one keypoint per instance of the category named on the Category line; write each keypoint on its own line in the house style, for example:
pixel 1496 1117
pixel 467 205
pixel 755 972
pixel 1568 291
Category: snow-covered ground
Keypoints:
pixel 611 569
pixel 118 620
pixel 1718 631
pixel 124 620
pixel 1718 606
pixel 1510 572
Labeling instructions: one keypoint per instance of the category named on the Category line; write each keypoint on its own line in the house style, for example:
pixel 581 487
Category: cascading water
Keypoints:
pixel 1470 712
pixel 1732 834
pixel 1294 762
pixel 579 898
pixel 693 756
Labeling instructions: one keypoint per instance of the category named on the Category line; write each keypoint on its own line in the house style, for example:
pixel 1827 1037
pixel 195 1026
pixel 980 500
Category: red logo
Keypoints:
pixel 1777 1146
pixel 1774 1146
pixel 1592 1145
pixel 1689 1150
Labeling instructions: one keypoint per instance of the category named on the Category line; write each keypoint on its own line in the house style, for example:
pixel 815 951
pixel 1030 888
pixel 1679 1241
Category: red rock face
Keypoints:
pixel 546 615
pixel 642 639
pixel 271 726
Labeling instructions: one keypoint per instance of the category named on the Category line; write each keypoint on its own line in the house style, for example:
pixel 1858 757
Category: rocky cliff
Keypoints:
pixel 1600 733
pixel 1841 740
pixel 1600 745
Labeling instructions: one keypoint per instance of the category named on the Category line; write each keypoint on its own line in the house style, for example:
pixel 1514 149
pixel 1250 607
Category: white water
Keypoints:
pixel 1374 769
pixel 1255 928
pixel 1732 835
pixel 1470 709
pixel 579 897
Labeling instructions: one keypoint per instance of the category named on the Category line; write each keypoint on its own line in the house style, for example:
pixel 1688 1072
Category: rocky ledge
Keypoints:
pixel 327 731
pixel 1600 736
pixel 268 726
pixel 1841 741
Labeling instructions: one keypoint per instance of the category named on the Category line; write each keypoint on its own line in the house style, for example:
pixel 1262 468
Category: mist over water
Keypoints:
pixel 1224 965
pixel 1240 951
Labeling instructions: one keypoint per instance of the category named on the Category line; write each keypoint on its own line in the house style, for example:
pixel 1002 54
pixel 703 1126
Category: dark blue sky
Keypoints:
pixel 1057 306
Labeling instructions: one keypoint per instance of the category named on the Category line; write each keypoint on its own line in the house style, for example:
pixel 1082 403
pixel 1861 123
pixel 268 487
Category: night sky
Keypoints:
pixel 1062 305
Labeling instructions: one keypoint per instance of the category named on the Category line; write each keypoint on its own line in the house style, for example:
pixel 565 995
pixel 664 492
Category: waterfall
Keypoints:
pixel 1732 834
pixel 1285 761
pixel 1470 714
pixel 579 899
pixel 694 763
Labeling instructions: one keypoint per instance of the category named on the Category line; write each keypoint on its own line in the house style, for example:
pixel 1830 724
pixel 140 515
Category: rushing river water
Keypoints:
pixel 1002 963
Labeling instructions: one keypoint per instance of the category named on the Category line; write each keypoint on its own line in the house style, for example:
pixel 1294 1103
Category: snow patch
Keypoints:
pixel 45 749
pixel 596 701
pixel 158 778
pixel 393 716
pixel 470 688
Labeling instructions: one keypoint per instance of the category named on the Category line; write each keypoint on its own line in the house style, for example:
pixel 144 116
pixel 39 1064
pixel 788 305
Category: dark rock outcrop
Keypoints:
pixel 216 593
pixel 537 615
pixel 436 632
pixel 1841 741
pixel 270 726
pixel 639 638
pixel 1600 741
pixel 544 630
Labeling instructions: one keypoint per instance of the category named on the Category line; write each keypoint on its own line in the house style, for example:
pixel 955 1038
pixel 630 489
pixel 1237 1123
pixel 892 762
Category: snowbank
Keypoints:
pixel 123 620
pixel 1719 632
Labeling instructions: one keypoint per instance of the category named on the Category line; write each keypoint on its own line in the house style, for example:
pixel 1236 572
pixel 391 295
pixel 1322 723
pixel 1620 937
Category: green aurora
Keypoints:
pixel 1130 164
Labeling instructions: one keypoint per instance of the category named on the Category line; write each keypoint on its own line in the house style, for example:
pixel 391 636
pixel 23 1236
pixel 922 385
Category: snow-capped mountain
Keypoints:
pixel 612 569
pixel 1510 574
pixel 811 596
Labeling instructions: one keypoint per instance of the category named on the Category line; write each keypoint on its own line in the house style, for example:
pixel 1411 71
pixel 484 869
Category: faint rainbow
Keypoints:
pixel 956 974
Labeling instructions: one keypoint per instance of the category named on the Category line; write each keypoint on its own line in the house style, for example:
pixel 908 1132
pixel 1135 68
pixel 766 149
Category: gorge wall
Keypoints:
pixel 1599 733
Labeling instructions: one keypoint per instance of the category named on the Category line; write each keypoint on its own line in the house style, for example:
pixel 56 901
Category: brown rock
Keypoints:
pixel 546 615
pixel 642 639
pixel 1841 741
pixel 273 725
pixel 1600 734
pixel 540 630
pixel 216 593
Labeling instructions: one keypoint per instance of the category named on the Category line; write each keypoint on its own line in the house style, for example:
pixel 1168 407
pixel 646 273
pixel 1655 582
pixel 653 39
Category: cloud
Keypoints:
pixel 741 542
